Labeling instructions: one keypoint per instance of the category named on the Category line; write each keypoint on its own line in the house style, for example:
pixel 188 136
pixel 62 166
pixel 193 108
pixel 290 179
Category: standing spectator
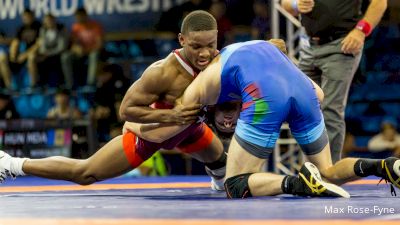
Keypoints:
pixel 87 41
pixel 7 108
pixel 332 53
pixel 23 49
pixel 63 108
pixel 387 140
pixel 260 26
pixel 111 87
pixel 218 10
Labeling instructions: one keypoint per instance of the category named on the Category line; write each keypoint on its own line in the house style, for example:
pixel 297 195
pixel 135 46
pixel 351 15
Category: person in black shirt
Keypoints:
pixel 331 52
pixel 22 49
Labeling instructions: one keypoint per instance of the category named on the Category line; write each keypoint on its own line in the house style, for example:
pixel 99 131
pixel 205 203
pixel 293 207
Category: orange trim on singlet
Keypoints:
pixel 129 143
pixel 202 143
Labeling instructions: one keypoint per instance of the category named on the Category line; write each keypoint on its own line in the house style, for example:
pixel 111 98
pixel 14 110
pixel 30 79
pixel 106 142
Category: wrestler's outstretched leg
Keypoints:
pixel 108 162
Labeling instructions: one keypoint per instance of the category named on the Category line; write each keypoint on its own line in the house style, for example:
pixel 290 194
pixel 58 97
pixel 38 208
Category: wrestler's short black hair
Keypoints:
pixel 198 20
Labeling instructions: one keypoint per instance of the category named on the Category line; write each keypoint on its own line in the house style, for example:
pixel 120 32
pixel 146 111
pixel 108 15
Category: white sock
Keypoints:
pixel 16 166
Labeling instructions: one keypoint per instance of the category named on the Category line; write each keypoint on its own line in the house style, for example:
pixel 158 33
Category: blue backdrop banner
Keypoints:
pixel 114 15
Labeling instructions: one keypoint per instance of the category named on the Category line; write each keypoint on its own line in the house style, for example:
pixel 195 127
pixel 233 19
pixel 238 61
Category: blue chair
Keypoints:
pixel 22 105
pixel 39 105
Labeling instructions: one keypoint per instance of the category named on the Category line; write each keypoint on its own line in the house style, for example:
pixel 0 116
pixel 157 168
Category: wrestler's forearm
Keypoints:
pixel 145 114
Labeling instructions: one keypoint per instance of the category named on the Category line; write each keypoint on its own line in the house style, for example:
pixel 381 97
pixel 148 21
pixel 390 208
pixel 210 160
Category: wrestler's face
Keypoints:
pixel 226 116
pixel 199 47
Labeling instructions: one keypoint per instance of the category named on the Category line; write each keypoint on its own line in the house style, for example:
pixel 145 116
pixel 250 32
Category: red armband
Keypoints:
pixel 364 26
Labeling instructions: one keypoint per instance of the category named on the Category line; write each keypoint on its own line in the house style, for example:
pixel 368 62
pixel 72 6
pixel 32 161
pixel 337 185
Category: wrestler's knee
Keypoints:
pixel 238 186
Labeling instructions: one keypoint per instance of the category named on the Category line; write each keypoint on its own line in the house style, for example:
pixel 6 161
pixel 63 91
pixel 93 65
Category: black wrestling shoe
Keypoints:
pixel 391 172
pixel 314 186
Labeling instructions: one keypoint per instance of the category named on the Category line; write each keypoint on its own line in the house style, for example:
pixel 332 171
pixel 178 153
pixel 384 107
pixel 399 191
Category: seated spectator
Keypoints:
pixel 7 108
pixel 23 49
pixel 6 80
pixel 87 42
pixel 260 27
pixel 5 74
pixel 218 10
pixel 63 108
pixel 387 139
pixel 51 42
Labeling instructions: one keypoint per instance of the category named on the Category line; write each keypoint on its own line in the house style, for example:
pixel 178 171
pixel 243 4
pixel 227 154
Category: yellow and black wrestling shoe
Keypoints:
pixel 391 172
pixel 314 186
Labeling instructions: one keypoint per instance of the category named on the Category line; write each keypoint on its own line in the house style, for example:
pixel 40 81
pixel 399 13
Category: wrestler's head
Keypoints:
pixel 198 38
pixel 226 116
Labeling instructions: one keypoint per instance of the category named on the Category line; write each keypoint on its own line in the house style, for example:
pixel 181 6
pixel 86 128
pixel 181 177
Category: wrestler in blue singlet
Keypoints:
pixel 273 90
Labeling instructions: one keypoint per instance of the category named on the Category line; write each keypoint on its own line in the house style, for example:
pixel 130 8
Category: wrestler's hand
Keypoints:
pixel 184 114
pixel 353 42
pixel 280 43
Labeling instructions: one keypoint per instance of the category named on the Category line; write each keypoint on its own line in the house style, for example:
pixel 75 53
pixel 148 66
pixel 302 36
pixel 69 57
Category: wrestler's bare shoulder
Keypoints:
pixel 167 68
pixel 169 73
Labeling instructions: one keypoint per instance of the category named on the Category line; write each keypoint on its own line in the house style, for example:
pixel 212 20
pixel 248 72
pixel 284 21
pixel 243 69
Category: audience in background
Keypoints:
pixel 218 10
pixel 7 108
pixel 387 140
pixel 5 81
pixel 171 20
pixel 63 109
pixel 87 42
pixel 5 75
pixel 260 26
pixel 111 88
pixel 52 42
pixel 23 49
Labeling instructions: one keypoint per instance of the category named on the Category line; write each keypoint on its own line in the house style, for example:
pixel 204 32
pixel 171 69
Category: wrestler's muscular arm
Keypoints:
pixel 205 89
pixel 153 84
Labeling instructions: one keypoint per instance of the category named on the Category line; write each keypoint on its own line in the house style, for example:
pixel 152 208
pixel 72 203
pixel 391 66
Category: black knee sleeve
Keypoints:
pixel 238 186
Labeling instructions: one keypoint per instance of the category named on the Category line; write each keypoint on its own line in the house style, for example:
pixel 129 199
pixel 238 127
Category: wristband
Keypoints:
pixel 364 26
pixel 294 6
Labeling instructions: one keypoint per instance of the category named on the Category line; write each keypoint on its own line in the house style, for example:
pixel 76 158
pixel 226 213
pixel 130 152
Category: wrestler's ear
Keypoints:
pixel 181 39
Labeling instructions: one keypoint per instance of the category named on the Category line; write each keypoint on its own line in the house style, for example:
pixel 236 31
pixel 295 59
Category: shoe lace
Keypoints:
pixel 392 190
